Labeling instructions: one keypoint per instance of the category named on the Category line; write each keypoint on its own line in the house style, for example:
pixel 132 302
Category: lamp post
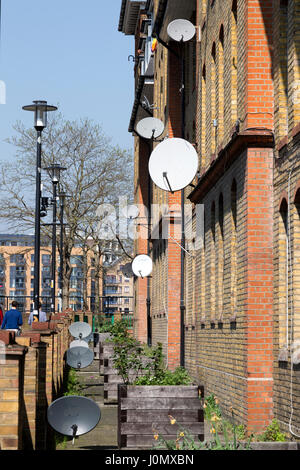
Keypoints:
pixel 62 197
pixel 54 171
pixel 40 109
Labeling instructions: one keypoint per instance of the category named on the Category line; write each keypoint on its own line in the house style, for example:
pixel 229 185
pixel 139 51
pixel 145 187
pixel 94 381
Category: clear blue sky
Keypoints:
pixel 70 53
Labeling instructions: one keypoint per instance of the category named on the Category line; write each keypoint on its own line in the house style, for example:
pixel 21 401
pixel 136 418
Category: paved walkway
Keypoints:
pixel 104 435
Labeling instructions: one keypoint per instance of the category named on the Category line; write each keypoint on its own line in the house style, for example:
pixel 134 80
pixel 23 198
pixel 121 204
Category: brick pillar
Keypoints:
pixel 174 251
pixel 11 394
pixel 30 394
pixel 47 336
pixel 259 87
pixel 60 355
pixel 35 421
pixel 259 305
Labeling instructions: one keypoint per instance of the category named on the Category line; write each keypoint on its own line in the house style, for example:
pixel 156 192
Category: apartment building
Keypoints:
pixel 17 274
pixel 117 290
pixel 230 312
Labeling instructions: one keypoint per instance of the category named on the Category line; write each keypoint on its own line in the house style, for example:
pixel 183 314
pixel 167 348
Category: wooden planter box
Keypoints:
pixel 111 377
pixel 144 410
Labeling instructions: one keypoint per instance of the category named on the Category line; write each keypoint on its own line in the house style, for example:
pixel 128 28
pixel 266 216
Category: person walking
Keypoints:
pixel 42 316
pixel 1 315
pixel 13 318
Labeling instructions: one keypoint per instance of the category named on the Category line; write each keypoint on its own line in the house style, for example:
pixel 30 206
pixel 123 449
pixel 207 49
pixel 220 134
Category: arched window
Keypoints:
pixel 203 119
pixel 212 278
pixel 283 273
pixel 213 112
pixel 233 254
pixel 294 73
pixel 296 268
pixel 221 87
pixel 234 65
pixel 281 71
pixel 220 257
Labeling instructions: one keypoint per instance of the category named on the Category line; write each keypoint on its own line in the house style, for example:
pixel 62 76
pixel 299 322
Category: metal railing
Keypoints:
pixel 104 305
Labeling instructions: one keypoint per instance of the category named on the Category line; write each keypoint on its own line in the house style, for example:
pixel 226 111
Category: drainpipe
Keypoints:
pixel 148 301
pixel 182 304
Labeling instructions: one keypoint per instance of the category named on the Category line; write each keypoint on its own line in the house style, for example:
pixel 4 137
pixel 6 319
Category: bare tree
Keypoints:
pixel 97 172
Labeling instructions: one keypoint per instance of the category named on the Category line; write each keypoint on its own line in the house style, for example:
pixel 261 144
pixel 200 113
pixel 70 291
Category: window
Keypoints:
pixel 213 98
pixel 220 257
pixel 221 87
pixel 233 257
pixel 283 273
pixel 203 119
pixel 46 260
pixel 234 114
pixel 212 281
pixel 126 289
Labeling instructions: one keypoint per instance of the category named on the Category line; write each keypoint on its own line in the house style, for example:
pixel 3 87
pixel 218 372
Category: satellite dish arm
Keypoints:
pixel 164 44
pixel 74 427
pixel 173 239
pixel 146 109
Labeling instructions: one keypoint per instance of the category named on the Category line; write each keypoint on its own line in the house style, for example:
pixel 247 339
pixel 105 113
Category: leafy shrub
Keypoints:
pixel 211 407
pixel 272 433
pixel 73 385
pixel 185 440
pixel 167 377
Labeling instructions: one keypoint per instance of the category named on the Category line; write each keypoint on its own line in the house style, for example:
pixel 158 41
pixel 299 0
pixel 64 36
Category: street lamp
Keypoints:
pixel 62 197
pixel 40 109
pixel 54 171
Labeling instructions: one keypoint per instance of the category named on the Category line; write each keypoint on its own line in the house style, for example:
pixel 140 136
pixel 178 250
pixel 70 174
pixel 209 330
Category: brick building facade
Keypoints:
pixel 242 113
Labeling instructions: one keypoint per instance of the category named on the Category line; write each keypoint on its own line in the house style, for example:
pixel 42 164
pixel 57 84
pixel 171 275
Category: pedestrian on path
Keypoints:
pixel 42 316
pixel 1 315
pixel 13 318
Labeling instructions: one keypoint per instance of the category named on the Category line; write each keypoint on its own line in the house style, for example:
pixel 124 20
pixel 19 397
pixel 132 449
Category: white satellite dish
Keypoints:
pixel 173 164
pixel 181 30
pixel 150 128
pixel 131 212
pixel 142 266
pixel 79 343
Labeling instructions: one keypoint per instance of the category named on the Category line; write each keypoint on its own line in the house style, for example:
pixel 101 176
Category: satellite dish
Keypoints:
pixel 80 329
pixel 150 128
pixel 127 270
pixel 73 415
pixel 89 338
pixel 79 343
pixel 79 357
pixel 181 30
pixel 173 164
pixel 131 212
pixel 142 266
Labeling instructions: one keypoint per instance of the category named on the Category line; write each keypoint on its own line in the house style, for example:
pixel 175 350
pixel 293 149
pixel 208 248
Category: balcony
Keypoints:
pixel 129 15
pixel 111 281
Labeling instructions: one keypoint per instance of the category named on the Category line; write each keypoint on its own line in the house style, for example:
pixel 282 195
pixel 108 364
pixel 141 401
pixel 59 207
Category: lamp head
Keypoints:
pixel 40 109
pixel 54 171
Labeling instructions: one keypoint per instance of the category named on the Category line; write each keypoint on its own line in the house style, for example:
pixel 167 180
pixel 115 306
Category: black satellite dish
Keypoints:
pixel 80 329
pixel 79 357
pixel 73 416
